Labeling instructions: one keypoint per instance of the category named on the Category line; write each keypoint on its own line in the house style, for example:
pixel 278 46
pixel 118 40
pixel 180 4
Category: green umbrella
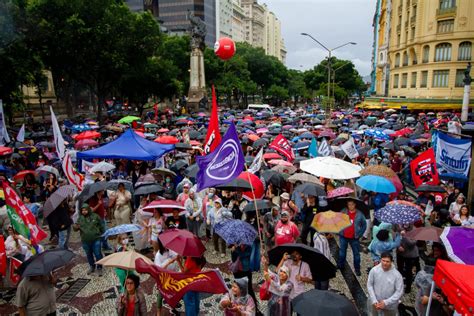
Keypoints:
pixel 129 119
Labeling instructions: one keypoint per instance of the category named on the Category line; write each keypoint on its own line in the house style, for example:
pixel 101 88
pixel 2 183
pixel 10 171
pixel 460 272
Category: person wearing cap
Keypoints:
pixel 285 206
pixel 280 288
pixel 194 219
pixel 215 215
pixel 285 230
pixel 270 220
pixel 238 301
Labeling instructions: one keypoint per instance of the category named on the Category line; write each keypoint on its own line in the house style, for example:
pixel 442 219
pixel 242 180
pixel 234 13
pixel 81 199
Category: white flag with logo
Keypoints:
pixel 350 149
pixel 257 162
pixel 21 134
pixel 58 138
pixel 4 138
pixel 324 149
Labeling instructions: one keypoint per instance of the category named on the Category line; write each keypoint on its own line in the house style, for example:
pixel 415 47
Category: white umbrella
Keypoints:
pixel 304 177
pixel 102 167
pixel 330 168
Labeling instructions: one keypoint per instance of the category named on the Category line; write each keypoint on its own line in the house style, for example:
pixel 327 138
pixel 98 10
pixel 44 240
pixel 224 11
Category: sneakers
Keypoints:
pixel 90 271
pixel 99 272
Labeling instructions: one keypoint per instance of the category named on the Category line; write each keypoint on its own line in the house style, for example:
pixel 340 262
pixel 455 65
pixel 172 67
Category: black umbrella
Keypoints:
pixel 191 171
pixel 194 134
pixel 388 145
pixel 45 262
pixel 145 189
pixel 235 185
pixel 263 205
pixel 179 164
pixel 323 303
pixel 113 184
pixel 402 141
pixel 91 189
pixel 321 267
pixel 57 198
pixel 273 177
pixel 338 204
pixel 259 142
pixel 183 146
pixel 311 189
pixel 430 188
pixel 364 150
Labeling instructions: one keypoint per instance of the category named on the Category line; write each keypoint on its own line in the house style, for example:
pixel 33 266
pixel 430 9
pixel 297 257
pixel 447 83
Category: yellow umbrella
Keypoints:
pixel 330 222
pixel 123 260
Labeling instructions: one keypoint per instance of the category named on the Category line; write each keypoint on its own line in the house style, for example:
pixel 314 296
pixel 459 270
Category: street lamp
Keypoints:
pixel 329 58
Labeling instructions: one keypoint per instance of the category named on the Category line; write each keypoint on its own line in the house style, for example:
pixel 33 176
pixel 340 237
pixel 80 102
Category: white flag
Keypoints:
pixel 21 134
pixel 74 177
pixel 324 149
pixel 58 138
pixel 257 162
pixel 87 166
pixel 4 138
pixel 350 149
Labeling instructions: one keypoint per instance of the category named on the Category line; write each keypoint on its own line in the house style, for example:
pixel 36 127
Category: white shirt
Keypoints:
pixel 162 259
pixel 321 244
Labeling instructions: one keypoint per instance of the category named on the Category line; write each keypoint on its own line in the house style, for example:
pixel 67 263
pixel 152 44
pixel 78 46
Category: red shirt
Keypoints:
pixel 191 266
pixel 131 306
pixel 286 233
pixel 349 232
pixel 93 201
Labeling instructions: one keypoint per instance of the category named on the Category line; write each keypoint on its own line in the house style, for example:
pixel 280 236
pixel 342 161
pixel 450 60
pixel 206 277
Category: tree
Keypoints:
pixel 277 94
pixel 296 85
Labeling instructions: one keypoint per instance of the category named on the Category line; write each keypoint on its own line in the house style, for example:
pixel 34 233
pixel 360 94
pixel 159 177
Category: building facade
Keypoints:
pixel 254 23
pixel 429 45
pixel 375 46
pixel 224 13
pixel 238 16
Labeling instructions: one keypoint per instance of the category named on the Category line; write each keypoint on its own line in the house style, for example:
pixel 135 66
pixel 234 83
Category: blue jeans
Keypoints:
pixel 191 303
pixel 63 237
pixel 92 249
pixel 343 249
pixel 105 244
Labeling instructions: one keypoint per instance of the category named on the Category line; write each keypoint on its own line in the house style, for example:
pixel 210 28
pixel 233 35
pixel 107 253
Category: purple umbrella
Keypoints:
pixel 398 214
pixel 459 243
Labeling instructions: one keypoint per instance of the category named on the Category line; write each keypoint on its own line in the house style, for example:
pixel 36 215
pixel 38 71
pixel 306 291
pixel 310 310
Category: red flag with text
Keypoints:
pixel 173 285
pixel 13 200
pixel 423 169
pixel 213 136
pixel 14 276
pixel 3 257
pixel 282 145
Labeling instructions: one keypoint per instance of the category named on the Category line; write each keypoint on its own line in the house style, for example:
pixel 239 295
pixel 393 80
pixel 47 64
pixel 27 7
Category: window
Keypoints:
pixel 412 33
pixel 426 54
pixel 465 49
pixel 398 39
pixel 446 26
pixel 404 80
pixel 446 4
pixel 443 52
pixel 460 78
pixel 440 78
pixel 397 60
pixel 395 81
pixel 424 79
pixel 405 59
pixel 413 80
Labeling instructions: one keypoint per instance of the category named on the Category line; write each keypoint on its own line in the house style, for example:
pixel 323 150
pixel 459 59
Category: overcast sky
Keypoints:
pixel 332 22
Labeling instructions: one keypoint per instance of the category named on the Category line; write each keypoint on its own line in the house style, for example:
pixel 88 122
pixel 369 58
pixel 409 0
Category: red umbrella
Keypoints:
pixel 327 133
pixel 402 132
pixel 167 140
pixel 253 137
pixel 195 143
pixel 258 187
pixel 87 135
pixel 5 151
pixel 271 156
pixel 163 130
pixel 86 143
pixel 20 175
pixel 182 242
pixel 166 206
pixel 425 233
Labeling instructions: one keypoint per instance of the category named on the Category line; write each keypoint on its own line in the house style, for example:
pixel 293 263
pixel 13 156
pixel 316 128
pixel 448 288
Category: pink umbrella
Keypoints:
pixel 140 134
pixel 280 162
pixel 163 130
pixel 262 130
pixel 327 133
pixel 339 192
pixel 86 143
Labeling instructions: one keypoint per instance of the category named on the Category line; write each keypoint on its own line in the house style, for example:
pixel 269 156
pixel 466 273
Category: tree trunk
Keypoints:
pixel 100 103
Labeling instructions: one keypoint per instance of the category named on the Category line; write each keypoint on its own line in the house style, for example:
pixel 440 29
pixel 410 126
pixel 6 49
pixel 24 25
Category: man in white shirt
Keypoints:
pixel 300 273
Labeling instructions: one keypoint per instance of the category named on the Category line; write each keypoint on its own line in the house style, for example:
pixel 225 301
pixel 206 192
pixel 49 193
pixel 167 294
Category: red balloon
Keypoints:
pixel 224 48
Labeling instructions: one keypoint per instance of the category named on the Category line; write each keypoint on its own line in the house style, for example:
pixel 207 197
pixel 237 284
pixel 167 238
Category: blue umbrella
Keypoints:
pixel 301 145
pixel 121 229
pixel 307 135
pixel 398 214
pixel 236 232
pixel 376 184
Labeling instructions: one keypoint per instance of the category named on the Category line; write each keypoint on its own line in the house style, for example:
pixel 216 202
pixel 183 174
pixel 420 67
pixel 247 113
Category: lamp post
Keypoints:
pixel 329 58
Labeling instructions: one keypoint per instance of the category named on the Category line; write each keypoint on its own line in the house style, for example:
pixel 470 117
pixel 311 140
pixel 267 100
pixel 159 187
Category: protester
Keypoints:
pixel 215 215
pixel 383 244
pixel 238 301
pixel 132 301
pixel 176 220
pixel 270 220
pixel 35 295
pixel 156 226
pixel 166 259
pixel 122 208
pixel 191 298
pixel 308 211
pixel 322 245
pixel 194 218
pixel 280 288
pixel 407 258
pixel 464 217
pixel 285 230
pixel 61 222
pixel 299 272
pixel 121 246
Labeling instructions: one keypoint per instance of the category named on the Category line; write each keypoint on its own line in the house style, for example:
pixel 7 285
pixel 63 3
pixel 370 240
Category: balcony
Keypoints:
pixel 446 12
pixel 399 28
pixel 413 19
pixel 400 9
pixel 406 24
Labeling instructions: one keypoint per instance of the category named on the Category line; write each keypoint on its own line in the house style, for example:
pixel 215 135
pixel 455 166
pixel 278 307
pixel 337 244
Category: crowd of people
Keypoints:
pixel 398 261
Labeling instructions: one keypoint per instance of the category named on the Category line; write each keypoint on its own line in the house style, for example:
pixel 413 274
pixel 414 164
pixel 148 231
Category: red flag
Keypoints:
pixel 423 169
pixel 3 257
pixel 281 144
pixel 213 137
pixel 13 200
pixel 14 266
pixel 173 285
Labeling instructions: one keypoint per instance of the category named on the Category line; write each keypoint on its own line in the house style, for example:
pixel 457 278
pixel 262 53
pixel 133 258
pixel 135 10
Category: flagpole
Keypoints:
pixel 262 246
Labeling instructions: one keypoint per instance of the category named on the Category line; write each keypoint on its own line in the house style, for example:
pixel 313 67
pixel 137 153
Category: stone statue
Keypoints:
pixel 198 31
pixel 467 75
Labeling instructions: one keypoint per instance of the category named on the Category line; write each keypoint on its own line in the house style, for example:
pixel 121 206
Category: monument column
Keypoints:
pixel 197 79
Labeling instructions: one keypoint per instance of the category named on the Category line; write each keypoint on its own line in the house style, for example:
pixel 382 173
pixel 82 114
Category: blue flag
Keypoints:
pixel 224 164
pixel 313 149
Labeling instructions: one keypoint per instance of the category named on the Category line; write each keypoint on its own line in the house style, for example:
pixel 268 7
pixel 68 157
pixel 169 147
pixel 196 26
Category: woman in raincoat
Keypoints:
pixel 238 301
pixel 280 287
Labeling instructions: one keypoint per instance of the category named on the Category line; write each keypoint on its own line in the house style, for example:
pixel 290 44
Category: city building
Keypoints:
pixel 224 13
pixel 238 16
pixel 421 65
pixel 254 23
pixel 375 46
pixel 273 38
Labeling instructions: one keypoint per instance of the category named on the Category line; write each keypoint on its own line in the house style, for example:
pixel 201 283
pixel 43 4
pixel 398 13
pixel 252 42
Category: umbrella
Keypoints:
pixel 129 119
pixel 45 262
pixel 330 222
pixel 311 189
pixel 47 169
pixel 87 135
pixel 284 169
pixel 321 267
pixel 57 198
pixel 113 184
pixel 166 140
pixel 102 167
pixel 182 242
pixel 192 171
pixel 121 229
pixel 273 177
pixel 123 260
pixel 146 189
pixel 430 188
pixel 21 175
pixel 164 171
pixel 330 168
pixel 280 162
pixel 376 184
pixel 258 187
pixel 91 189
pixel 323 303
pixel 86 143
pixel 304 177
pixel 179 164
pixel 398 214
pixel 5 150
pixel 260 142
pixel 271 156
pixel 341 191
pixel 402 141
pixel 164 206
pixel 237 184
pixel 425 233
pixel 236 232
pixel 459 243
pixel 378 170
pixel 341 203
pixel 262 205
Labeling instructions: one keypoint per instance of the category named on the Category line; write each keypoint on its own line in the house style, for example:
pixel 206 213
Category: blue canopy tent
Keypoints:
pixel 128 146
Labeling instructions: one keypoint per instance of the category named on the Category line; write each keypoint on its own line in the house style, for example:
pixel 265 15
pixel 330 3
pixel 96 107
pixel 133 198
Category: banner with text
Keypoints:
pixel 453 156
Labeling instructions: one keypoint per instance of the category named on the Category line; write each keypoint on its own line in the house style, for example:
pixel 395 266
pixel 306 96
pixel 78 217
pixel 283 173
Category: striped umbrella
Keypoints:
pixel 57 198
